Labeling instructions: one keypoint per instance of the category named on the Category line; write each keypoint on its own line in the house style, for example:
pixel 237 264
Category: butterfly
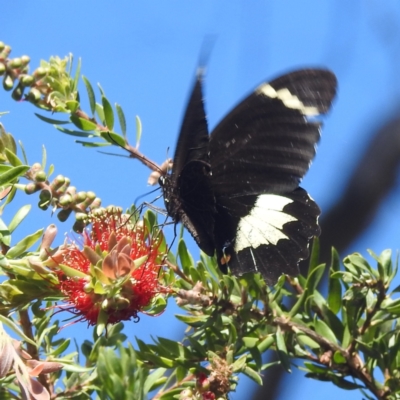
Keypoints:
pixel 236 190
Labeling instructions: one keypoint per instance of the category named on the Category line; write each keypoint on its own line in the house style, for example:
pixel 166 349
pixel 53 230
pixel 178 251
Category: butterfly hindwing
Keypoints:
pixel 268 233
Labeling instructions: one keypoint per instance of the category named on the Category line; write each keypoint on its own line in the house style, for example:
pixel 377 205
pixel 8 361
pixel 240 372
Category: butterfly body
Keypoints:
pixel 237 189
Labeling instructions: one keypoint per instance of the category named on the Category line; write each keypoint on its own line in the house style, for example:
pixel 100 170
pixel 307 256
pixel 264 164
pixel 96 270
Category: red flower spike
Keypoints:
pixel 121 263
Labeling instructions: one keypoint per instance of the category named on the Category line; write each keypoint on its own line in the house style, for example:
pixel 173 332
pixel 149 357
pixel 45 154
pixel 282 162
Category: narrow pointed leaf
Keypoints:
pixel 9 322
pixel 92 144
pixel 76 77
pixel 138 131
pixel 13 174
pixel 75 133
pixel 121 119
pixel 324 330
pixel 51 120
pixel 72 272
pixel 19 217
pixel 114 138
pixel 83 123
pixel 108 113
pixel 282 351
pixel 100 112
pixel 13 158
pixel 334 285
pixel 90 93
pixel 24 244
pixel 23 152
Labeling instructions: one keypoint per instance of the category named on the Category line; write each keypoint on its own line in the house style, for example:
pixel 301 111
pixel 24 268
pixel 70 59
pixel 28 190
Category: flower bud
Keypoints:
pixel 40 73
pixel 48 237
pixel 18 92
pixel 78 226
pixel 58 181
pixel 31 188
pixel 80 197
pixel 65 200
pixel 15 63
pixel 64 214
pixel 96 203
pixel 8 82
pixel 45 197
pixel 71 190
pixel 90 196
pixel 26 80
pixel 2 69
pixel 25 60
pixel 81 216
pixel 5 52
pixel 186 394
pixel 40 176
pixel 2 45
pixel 34 95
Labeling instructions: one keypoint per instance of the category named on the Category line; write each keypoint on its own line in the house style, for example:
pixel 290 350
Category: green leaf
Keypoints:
pixel 324 330
pixel 71 272
pixel 60 349
pixel 192 320
pixel 359 262
pixel 282 351
pixel 338 358
pixel 334 286
pixel 72 106
pixel 21 145
pixel 92 144
pixel 152 381
pixel 250 342
pixel 51 120
pixel 255 376
pixel 19 217
pixel 184 256
pixel 307 341
pixel 138 130
pixel 266 343
pixel 345 384
pixel 90 93
pixel 101 322
pixel 76 77
pixel 24 244
pixel 314 256
pixel 14 173
pixel 100 112
pixel 83 123
pixel 163 362
pixel 108 113
pixel 76 133
pixel 12 158
pixel 5 234
pixel 121 119
pixel 314 277
pixel 14 327
pixel 114 138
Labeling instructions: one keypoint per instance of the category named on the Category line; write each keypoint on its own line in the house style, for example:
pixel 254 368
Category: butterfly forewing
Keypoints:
pixel 187 190
pixel 268 141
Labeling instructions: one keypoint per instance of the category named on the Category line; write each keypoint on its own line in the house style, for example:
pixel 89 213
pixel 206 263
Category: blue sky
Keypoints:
pixel 144 54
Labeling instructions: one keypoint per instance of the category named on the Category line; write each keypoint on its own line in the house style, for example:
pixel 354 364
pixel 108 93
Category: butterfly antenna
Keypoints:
pixel 146 194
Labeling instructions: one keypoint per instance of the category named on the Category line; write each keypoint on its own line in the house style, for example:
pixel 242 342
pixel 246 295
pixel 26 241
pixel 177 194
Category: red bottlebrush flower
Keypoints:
pixel 116 273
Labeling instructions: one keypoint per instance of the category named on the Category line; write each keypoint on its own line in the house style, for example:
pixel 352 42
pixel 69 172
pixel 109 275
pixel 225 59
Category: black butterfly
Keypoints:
pixel 237 190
